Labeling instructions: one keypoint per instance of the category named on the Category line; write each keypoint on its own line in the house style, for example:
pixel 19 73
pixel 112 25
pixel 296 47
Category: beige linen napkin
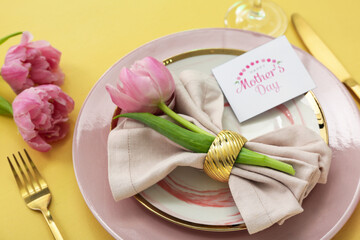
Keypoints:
pixel 139 157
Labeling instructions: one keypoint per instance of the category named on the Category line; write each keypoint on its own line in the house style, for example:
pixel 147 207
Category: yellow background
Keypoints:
pixel 92 35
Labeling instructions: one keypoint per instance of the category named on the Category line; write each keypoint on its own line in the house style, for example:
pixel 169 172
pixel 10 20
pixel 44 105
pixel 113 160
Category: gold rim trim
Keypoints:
pixel 222 154
pixel 220 228
pixel 199 52
pixel 315 105
pixel 197 226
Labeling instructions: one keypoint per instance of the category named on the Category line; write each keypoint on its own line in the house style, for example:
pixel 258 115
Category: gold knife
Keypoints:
pixel 320 51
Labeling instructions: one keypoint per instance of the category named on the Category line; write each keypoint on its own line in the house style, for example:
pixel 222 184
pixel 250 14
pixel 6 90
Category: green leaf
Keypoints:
pixel 4 39
pixel 196 142
pixel 200 143
pixel 5 107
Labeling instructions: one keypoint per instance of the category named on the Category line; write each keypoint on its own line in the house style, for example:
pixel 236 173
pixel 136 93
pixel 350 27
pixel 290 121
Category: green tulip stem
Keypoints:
pixel 200 143
pixel 190 140
pixel 2 40
pixel 181 120
pixel 249 157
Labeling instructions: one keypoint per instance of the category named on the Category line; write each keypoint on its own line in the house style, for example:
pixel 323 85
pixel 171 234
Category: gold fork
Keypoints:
pixel 34 190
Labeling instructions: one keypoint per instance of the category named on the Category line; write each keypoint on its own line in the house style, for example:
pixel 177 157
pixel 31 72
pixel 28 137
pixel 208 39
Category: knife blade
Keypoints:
pixel 321 52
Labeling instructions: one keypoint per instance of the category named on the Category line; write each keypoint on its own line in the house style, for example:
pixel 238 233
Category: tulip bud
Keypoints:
pixel 143 87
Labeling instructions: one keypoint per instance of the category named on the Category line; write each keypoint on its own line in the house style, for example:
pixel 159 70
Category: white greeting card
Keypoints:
pixel 263 78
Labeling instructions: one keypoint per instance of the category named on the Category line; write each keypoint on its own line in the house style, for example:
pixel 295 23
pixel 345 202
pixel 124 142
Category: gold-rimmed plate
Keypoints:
pixel 190 198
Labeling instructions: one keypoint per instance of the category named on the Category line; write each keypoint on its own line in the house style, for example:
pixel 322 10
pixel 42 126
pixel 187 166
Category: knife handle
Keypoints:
pixel 353 87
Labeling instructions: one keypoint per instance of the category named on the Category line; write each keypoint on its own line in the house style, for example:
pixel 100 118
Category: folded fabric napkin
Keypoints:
pixel 139 157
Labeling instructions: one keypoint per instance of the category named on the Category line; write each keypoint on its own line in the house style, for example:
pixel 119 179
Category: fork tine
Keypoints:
pixel 29 187
pixel 22 188
pixel 41 180
pixel 38 200
pixel 33 180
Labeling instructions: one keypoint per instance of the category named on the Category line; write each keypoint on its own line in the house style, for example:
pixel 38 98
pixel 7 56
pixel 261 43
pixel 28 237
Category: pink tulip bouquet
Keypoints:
pixel 41 108
pixel 148 87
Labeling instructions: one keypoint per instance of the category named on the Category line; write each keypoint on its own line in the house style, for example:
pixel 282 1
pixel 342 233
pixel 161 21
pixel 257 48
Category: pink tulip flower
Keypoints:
pixel 142 87
pixel 41 114
pixel 31 63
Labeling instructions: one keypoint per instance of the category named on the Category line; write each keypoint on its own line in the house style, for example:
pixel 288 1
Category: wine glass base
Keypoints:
pixel 270 19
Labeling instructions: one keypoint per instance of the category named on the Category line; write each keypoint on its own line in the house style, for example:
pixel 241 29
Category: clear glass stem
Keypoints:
pixel 257 11
pixel 257 5
pixel 262 16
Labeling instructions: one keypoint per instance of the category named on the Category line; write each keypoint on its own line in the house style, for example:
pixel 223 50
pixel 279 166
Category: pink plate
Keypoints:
pixel 326 209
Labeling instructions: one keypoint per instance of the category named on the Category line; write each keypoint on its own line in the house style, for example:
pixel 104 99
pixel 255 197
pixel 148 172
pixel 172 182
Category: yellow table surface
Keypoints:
pixel 93 35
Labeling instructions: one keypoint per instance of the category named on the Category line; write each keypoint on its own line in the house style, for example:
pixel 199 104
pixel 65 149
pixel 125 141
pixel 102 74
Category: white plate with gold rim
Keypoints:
pixel 187 196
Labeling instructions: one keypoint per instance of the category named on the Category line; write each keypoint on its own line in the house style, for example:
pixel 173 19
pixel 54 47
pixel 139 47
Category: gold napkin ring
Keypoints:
pixel 222 154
